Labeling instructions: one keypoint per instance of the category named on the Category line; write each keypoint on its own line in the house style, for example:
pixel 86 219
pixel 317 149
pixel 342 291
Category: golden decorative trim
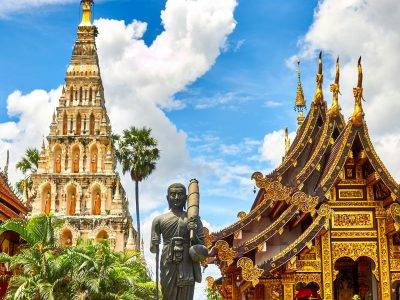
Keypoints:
pixel 351 194
pixel 250 272
pixel 225 254
pixel 383 260
pixel 210 282
pixel 354 234
pixel 346 135
pixel 394 264
pixel 207 238
pixel 241 215
pixel 304 202
pixel 356 219
pixel 345 182
pixel 323 212
pixel 354 250
pixel 394 213
pixel 326 265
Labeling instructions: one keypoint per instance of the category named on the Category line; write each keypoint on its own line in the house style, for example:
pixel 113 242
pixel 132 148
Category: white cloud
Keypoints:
pixel 10 6
pixel 351 28
pixel 140 81
pixel 34 111
pixel 273 147
pixel 272 103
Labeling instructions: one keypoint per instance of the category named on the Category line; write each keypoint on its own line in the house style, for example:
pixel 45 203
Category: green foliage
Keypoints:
pixel 27 165
pixel 93 271
pixel 137 152
pixel 213 294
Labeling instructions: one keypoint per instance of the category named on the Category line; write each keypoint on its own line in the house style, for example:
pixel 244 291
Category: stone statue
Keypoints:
pixel 72 205
pixel 179 268
pixel 47 202
pixel 58 164
pixel 76 163
pixel 96 204
pixel 94 163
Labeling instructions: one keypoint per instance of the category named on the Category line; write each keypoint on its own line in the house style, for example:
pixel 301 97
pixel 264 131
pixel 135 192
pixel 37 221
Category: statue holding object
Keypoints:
pixel 183 243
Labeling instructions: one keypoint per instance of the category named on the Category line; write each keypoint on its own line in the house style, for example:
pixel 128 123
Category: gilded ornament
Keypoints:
pixel 355 219
pixel 304 202
pixel 241 215
pixel 210 282
pixel 250 272
pixel 225 253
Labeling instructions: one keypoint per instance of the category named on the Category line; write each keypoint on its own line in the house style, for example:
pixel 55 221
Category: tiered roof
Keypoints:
pixel 10 204
pixel 289 206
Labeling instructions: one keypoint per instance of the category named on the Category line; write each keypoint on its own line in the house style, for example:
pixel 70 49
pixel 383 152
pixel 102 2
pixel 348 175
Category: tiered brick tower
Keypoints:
pixel 76 178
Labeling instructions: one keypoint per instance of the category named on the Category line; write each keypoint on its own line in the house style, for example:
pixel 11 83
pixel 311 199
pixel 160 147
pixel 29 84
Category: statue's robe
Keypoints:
pixel 177 279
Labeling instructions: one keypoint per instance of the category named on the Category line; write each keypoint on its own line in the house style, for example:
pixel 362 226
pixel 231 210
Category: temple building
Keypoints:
pixel 325 223
pixel 76 178
pixel 11 207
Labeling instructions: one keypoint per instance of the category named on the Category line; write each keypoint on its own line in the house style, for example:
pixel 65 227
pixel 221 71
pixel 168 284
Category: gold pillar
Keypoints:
pixel 288 286
pixel 326 266
pixel 383 256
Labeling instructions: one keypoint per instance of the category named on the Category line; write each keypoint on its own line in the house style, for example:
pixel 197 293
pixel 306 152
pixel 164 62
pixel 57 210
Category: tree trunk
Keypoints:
pixel 137 213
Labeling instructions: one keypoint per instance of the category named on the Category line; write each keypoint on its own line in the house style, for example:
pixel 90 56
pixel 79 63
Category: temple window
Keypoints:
pixel 80 95
pixel 71 200
pixel 78 124
pixel 66 237
pixel 94 157
pixel 71 95
pixel 90 95
pixel 96 201
pixel 75 159
pixel 91 124
pixel 65 123
pixel 57 159
pixel 46 198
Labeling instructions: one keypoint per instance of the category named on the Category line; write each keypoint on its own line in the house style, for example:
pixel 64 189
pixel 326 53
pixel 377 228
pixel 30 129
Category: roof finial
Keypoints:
pixel 300 102
pixel 358 113
pixel 319 97
pixel 335 109
pixel 5 172
pixel 287 140
pixel 86 12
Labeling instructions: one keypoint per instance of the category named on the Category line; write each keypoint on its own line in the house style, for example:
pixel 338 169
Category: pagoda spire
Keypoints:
pixel 86 12
pixel 318 96
pixel 5 172
pixel 335 89
pixel 300 102
pixel 358 113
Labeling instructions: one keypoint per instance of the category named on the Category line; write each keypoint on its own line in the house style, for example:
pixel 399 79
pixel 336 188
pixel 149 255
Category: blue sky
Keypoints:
pixel 247 93
pixel 216 89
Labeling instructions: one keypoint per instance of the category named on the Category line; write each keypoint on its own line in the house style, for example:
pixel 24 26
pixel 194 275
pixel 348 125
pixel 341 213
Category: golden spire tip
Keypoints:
pixel 318 96
pixel 358 113
pixel 86 12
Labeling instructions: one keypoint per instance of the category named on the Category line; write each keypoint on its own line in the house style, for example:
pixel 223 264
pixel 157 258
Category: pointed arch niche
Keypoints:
pixel 46 198
pixel 76 156
pixel 94 158
pixel 65 124
pixel 66 237
pixel 71 200
pixel 57 158
pixel 102 235
pixel 96 199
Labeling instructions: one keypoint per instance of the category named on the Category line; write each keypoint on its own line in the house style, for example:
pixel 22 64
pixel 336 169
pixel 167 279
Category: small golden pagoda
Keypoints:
pixel 324 224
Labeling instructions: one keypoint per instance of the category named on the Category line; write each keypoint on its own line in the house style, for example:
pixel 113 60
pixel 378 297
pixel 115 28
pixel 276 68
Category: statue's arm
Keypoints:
pixel 155 235
pixel 199 232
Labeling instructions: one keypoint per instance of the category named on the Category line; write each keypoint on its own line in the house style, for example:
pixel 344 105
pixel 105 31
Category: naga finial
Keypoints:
pixel 358 113
pixel 86 12
pixel 319 97
pixel 287 141
pixel 334 110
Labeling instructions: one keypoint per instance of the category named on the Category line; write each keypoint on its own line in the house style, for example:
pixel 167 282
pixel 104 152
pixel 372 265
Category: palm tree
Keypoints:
pixel 138 154
pixel 90 271
pixel 27 165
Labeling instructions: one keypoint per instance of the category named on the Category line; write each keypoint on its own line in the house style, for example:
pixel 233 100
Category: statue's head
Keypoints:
pixel 177 196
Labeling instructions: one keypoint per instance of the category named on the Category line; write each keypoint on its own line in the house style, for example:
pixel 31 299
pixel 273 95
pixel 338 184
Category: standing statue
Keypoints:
pixel 183 244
